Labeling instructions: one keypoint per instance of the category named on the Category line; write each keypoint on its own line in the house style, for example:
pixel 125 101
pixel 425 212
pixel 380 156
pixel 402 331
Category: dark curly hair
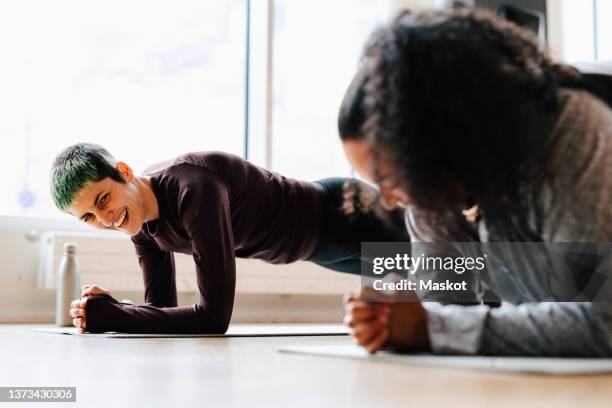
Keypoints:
pixel 461 101
pixel 351 115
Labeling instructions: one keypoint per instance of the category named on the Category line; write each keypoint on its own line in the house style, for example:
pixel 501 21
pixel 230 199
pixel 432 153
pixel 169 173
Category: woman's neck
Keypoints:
pixel 150 205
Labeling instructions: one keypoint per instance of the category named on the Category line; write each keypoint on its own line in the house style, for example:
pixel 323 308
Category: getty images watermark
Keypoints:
pixel 477 272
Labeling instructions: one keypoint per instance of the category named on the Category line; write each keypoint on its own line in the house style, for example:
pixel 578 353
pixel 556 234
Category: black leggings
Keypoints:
pixel 341 234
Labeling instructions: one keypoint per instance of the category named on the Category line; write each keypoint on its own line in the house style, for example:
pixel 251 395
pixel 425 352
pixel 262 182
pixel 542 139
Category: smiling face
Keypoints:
pixel 375 169
pixel 110 205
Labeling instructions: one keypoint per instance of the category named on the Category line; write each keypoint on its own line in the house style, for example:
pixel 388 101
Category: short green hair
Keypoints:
pixel 78 166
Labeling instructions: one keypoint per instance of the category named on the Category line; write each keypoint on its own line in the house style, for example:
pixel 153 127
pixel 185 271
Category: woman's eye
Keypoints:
pixel 103 199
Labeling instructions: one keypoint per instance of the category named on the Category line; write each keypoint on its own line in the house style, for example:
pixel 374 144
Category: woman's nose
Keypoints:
pixel 106 218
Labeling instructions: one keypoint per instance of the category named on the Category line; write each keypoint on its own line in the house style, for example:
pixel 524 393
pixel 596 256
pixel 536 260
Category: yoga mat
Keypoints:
pixel 540 365
pixel 237 330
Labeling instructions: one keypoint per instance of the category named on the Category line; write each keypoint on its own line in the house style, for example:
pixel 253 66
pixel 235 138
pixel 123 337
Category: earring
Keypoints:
pixel 471 214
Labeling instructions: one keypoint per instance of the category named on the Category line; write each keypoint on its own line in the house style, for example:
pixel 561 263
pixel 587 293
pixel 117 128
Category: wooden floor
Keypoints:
pixel 246 372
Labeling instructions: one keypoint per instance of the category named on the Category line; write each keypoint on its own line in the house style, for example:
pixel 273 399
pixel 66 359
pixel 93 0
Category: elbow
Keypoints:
pixel 212 323
pixel 222 322
pixel 214 326
pixel 223 326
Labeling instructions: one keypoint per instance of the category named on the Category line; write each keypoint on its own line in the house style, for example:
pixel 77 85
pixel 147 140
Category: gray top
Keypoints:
pixel 575 205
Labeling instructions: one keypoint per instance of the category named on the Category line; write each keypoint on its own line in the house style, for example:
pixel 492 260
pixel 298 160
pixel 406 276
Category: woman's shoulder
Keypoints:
pixel 190 178
pixel 582 133
pixel 583 111
pixel 580 167
pixel 210 159
pixel 198 167
pixel 216 161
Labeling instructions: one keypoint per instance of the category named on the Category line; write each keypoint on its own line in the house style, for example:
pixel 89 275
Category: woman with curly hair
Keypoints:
pixel 465 120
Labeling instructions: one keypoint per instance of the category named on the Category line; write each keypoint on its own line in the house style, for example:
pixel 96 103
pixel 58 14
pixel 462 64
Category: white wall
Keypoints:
pixel 22 301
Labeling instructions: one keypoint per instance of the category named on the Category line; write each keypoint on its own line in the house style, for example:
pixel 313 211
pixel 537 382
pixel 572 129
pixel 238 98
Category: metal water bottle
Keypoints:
pixel 68 285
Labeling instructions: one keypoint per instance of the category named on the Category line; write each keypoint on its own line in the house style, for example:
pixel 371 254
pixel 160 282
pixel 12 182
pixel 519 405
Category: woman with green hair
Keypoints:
pixel 215 207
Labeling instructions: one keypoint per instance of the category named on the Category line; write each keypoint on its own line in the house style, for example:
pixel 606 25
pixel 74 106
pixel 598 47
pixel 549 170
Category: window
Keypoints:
pixel 150 80
pixel 585 33
pixel 147 79
pixel 317 45
pixel 603 9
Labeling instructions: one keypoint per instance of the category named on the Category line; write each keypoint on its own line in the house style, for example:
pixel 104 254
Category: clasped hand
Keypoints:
pixel 78 306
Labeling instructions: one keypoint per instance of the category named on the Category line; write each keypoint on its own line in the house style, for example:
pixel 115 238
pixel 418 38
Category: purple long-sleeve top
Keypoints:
pixel 214 206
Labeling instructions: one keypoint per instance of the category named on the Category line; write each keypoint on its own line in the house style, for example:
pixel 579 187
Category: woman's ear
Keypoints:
pixel 125 170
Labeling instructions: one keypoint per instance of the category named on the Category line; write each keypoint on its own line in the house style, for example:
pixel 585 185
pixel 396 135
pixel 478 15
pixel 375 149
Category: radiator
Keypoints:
pixel 110 261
